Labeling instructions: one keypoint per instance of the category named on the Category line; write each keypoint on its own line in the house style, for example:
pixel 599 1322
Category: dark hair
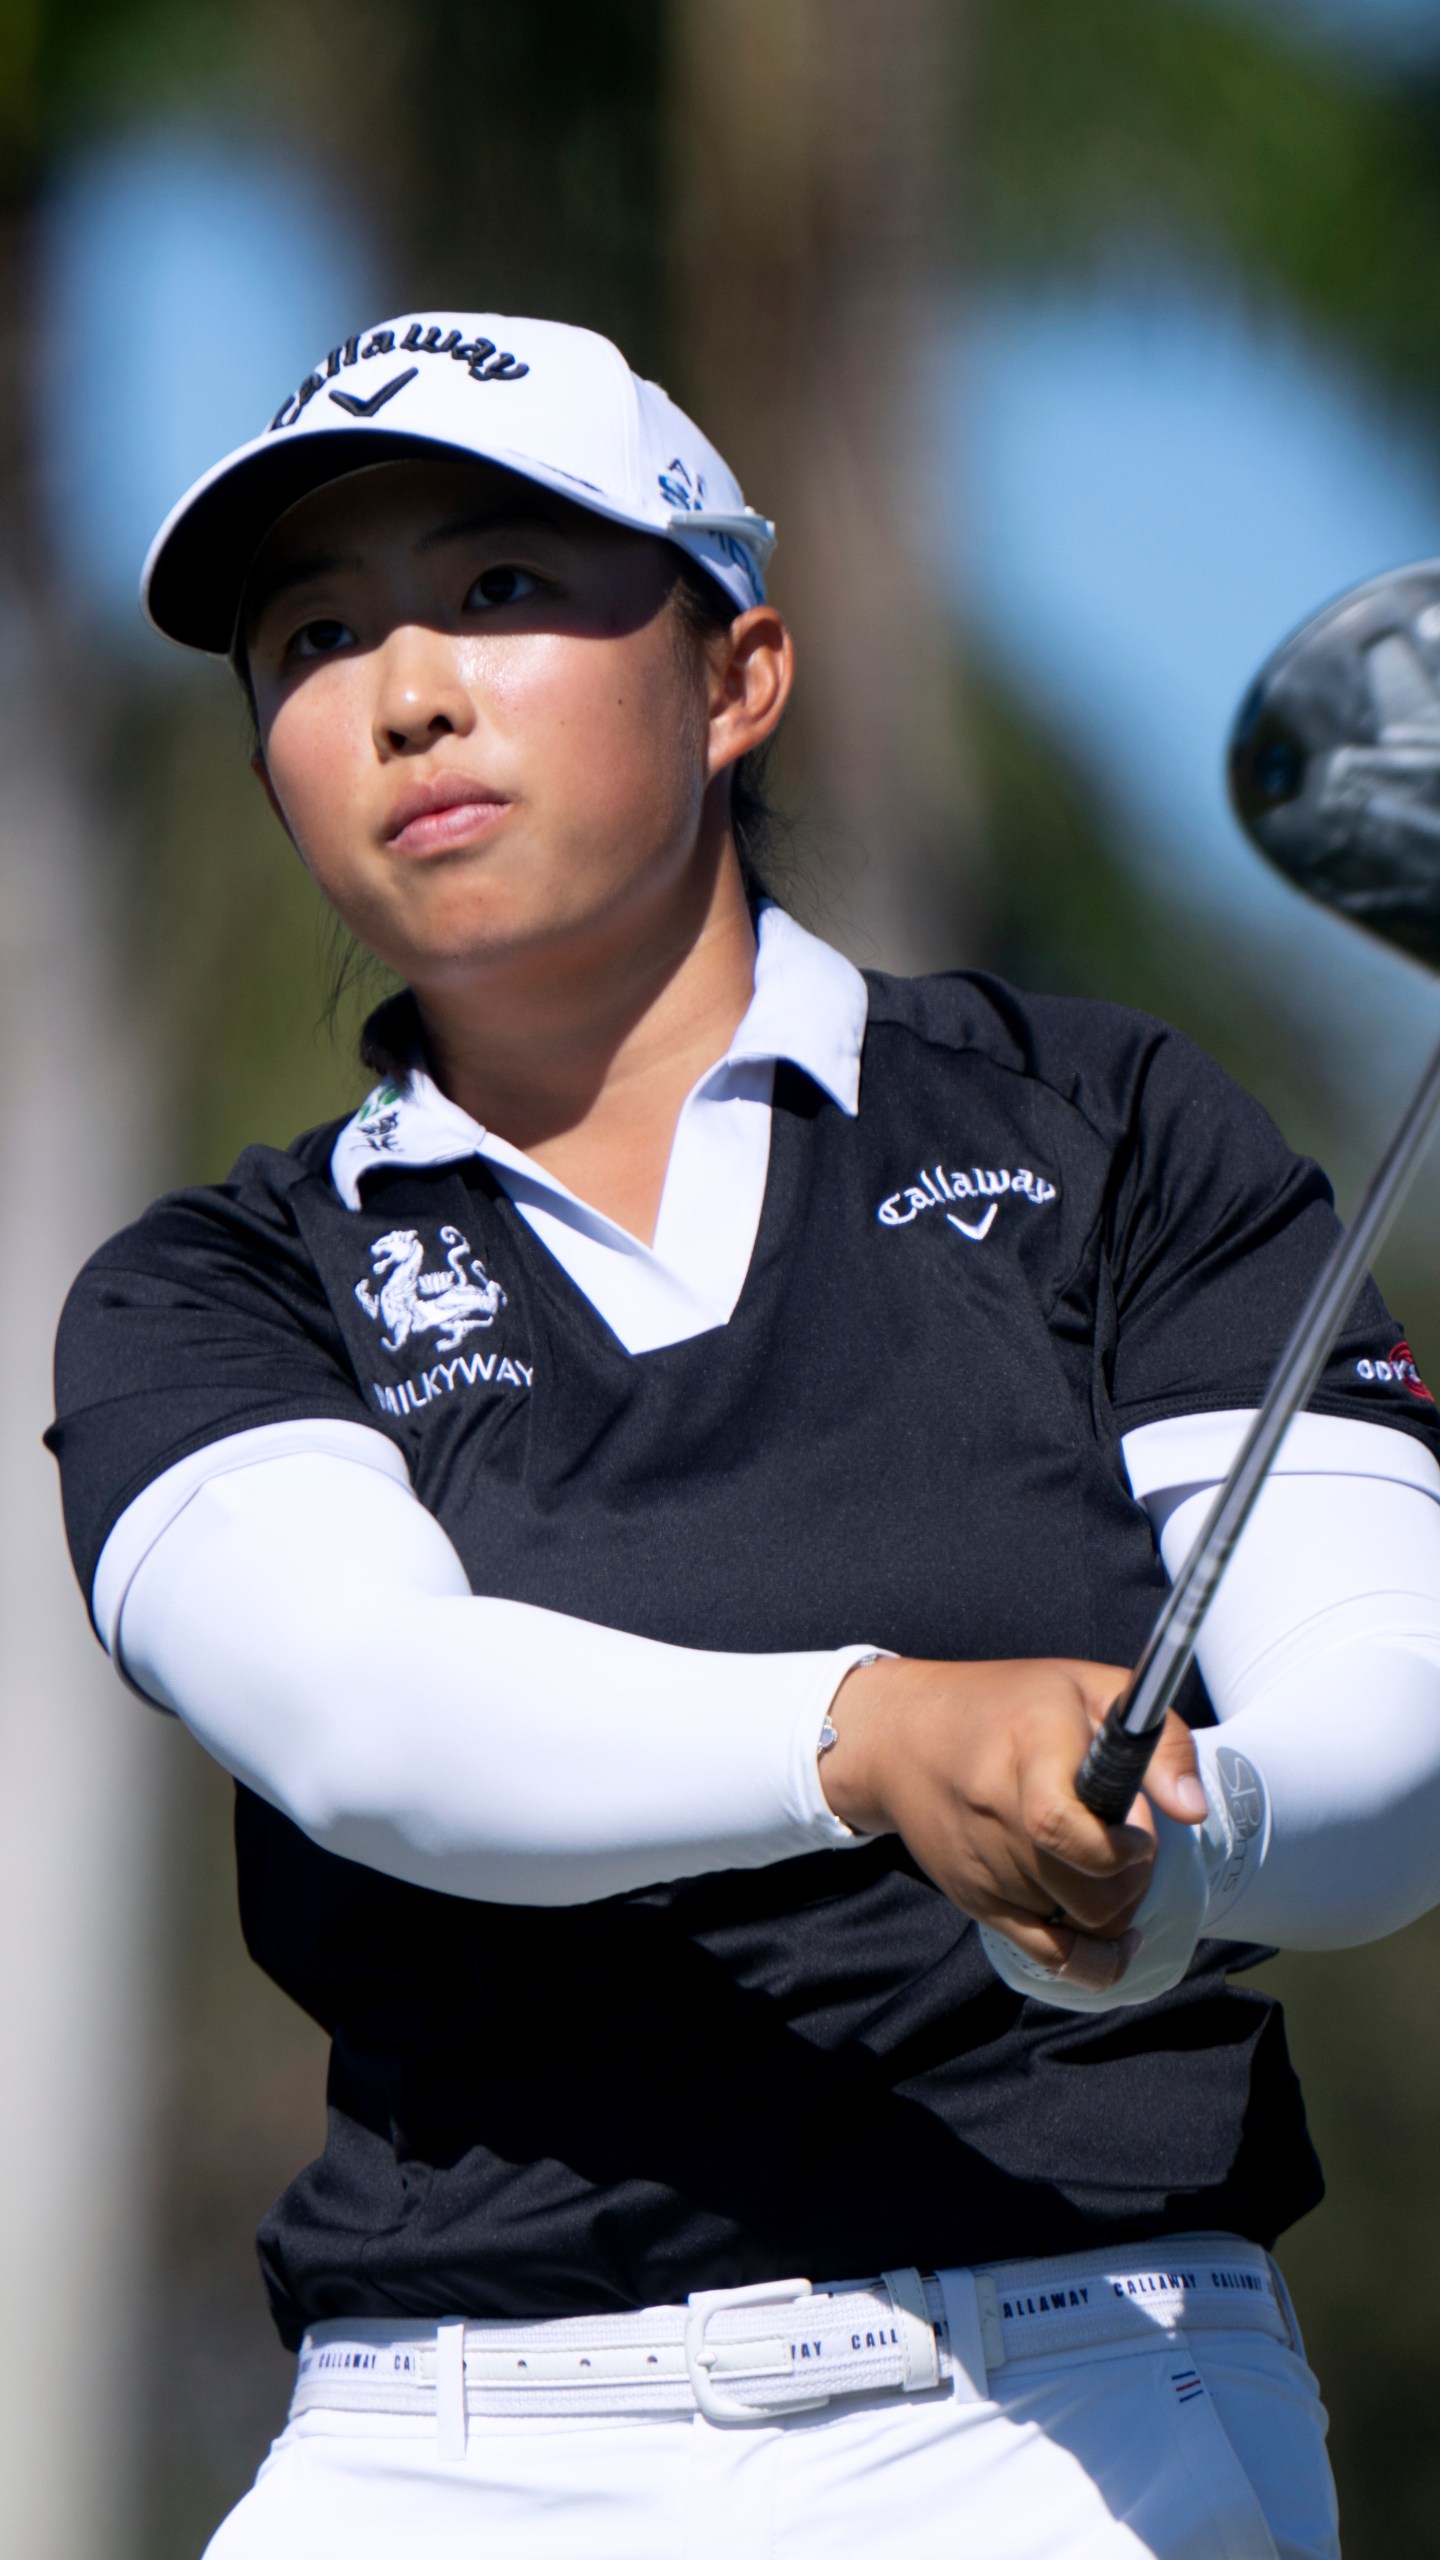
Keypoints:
pixel 391 1037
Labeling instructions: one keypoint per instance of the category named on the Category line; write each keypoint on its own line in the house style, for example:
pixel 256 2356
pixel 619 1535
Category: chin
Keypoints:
pixel 447 950
pixel 476 920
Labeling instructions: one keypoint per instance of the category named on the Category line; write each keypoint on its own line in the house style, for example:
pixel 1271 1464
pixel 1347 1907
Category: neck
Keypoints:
pixel 583 1055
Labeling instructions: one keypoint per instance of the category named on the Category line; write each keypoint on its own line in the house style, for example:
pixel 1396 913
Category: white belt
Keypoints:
pixel 750 2353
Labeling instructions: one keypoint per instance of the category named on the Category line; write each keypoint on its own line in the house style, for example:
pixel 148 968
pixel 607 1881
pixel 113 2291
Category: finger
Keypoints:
pixel 1105 1905
pixel 1072 1955
pixel 1046 1942
pixel 1173 1781
pixel 1016 1876
pixel 1062 1828
pixel 1050 1940
pixel 1097 1964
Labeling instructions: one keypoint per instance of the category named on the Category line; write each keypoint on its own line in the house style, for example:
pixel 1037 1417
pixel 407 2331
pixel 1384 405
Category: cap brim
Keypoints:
pixel 194 578
pixel 193 583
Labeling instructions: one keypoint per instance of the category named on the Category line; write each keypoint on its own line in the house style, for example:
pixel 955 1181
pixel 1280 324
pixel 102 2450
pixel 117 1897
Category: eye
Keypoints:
pixel 503 584
pixel 319 639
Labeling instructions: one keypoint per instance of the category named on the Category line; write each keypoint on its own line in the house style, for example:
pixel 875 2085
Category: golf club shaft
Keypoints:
pixel 1119 1756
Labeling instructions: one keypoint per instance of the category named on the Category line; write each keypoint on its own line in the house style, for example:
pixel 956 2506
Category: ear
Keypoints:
pixel 752 671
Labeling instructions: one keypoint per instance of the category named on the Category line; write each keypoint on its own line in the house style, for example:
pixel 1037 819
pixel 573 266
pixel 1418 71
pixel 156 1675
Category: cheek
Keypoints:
pixel 317 749
pixel 603 727
pixel 534 689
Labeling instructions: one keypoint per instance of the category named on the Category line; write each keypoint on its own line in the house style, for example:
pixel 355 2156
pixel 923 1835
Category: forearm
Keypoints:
pixel 1322 1659
pixel 1349 1801
pixel 312 1625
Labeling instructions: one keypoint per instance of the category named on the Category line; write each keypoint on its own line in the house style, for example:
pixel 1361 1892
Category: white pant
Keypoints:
pixel 1211 2448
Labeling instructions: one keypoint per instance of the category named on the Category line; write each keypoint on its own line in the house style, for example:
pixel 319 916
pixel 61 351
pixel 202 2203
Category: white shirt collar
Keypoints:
pixel 809 1007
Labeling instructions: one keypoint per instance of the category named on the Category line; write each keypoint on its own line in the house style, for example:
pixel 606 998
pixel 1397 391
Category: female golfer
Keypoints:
pixel 649 1509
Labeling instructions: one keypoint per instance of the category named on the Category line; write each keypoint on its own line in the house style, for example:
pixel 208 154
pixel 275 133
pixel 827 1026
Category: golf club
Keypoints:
pixel 1334 771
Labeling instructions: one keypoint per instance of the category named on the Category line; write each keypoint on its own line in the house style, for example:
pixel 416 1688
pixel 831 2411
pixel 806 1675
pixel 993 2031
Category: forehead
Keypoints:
pixel 414 505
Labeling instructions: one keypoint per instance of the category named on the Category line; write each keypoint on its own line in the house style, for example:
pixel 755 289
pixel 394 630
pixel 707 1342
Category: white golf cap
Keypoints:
pixel 557 405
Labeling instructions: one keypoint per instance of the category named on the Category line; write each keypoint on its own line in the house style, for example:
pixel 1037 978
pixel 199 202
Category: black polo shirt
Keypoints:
pixel 1050 1222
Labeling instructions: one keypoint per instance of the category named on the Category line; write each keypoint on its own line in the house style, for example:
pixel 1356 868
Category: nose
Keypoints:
pixel 420 694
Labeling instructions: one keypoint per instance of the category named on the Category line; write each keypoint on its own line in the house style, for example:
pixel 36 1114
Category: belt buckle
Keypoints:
pixel 701 2358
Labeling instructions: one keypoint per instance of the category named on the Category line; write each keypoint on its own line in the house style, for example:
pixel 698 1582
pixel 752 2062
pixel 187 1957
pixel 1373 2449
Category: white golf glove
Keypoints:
pixel 1199 1871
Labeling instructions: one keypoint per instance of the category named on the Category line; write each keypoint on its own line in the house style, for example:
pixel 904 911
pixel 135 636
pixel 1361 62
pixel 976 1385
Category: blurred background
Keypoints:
pixel 1079 353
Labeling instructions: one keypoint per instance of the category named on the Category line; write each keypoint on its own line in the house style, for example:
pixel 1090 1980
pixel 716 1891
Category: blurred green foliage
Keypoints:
pixel 1363 2270
pixel 533 174
pixel 1137 128
pixel 252 992
pixel 1071 914
pixel 69 66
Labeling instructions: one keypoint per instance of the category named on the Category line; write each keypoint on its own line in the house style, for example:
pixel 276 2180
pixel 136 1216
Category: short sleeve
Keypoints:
pixel 204 1319
pixel 1215 1233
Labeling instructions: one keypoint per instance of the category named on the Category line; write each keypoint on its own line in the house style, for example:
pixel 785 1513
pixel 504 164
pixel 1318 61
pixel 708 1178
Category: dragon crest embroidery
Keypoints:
pixel 451 1303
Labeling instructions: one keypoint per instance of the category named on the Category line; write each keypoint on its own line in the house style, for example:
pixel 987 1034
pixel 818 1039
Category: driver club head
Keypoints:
pixel 1334 759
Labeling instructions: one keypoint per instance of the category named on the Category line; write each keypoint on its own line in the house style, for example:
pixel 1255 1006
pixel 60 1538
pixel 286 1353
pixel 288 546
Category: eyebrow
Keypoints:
pixel 294 573
pixel 323 564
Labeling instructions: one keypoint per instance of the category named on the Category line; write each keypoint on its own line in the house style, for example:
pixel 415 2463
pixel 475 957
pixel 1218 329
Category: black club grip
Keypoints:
pixel 1114 1767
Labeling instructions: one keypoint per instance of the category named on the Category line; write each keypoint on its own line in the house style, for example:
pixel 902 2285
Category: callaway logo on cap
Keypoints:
pixel 558 405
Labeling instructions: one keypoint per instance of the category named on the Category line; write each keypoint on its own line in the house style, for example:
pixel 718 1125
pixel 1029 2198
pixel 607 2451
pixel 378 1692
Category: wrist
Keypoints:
pixel 859 1742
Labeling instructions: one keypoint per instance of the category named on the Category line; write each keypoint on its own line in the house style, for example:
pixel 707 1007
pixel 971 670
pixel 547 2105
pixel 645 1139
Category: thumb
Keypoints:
pixel 1174 1782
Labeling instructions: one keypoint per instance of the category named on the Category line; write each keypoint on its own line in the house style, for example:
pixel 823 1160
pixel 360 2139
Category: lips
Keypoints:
pixel 448 810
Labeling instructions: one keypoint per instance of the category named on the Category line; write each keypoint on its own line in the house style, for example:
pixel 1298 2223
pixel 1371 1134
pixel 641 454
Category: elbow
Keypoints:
pixel 314 1762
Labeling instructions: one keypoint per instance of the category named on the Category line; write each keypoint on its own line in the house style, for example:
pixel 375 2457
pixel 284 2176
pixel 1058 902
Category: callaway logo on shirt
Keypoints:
pixel 933 1189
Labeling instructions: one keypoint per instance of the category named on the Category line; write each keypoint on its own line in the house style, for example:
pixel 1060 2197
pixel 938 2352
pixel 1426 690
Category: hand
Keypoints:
pixel 974 1765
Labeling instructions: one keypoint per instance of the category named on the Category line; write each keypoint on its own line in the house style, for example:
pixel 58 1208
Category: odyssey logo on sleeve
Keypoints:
pixel 1398 1370
pixel 970 1199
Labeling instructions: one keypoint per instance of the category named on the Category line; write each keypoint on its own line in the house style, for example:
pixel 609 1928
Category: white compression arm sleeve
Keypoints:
pixel 1321 1655
pixel 312 1624
pixel 1322 1658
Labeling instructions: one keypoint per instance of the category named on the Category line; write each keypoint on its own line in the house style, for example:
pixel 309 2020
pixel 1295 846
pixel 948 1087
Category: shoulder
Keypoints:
pixel 250 1212
pixel 1109 1064
pixel 236 1245
pixel 206 1318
